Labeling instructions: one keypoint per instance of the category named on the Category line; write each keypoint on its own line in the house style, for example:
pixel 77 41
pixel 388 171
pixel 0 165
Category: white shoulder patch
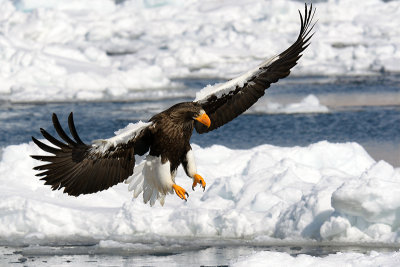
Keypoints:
pixel 220 89
pixel 122 137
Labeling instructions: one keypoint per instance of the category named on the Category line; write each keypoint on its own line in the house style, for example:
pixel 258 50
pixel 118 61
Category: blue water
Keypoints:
pixel 375 127
pixel 100 120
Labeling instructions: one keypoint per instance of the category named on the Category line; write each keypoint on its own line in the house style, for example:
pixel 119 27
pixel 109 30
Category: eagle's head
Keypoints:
pixel 203 118
pixel 189 112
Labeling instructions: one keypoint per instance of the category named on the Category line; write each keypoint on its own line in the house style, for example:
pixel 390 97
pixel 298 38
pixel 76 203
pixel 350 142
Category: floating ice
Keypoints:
pixel 323 192
pixel 267 258
pixel 367 206
pixel 94 50
pixel 309 104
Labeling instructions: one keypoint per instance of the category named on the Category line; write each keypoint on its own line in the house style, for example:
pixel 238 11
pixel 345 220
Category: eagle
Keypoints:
pixel 81 168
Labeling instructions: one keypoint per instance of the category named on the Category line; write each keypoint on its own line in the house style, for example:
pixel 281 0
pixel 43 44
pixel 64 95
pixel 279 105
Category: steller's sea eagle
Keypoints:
pixel 80 168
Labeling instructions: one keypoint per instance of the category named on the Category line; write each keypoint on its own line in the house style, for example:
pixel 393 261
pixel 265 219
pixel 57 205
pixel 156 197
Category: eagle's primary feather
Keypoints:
pixel 225 102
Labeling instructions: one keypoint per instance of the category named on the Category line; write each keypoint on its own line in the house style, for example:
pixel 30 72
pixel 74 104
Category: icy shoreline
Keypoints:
pixel 323 192
pixel 192 256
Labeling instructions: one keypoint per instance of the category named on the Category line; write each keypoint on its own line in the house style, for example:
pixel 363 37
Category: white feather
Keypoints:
pixel 137 180
pixel 139 188
pixel 220 89
pixel 191 164
pixel 122 137
pixel 137 171
pixel 153 178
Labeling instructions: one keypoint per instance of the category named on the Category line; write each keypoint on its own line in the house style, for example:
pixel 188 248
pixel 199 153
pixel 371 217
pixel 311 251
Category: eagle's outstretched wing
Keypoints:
pixel 83 169
pixel 226 101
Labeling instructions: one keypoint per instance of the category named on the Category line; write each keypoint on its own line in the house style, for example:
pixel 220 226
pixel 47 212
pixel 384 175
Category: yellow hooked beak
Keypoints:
pixel 204 119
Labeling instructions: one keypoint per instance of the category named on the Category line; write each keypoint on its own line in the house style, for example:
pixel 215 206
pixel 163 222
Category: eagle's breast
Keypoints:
pixel 171 140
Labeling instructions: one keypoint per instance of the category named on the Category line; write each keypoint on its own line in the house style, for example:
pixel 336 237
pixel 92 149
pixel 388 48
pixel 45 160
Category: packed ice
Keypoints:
pixel 309 104
pixel 99 50
pixel 339 259
pixel 321 192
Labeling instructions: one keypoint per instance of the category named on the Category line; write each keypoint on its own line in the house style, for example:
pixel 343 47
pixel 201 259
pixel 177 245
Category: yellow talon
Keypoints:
pixel 180 191
pixel 198 180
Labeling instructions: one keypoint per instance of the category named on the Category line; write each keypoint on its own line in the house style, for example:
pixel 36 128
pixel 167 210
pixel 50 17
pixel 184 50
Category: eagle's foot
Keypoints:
pixel 180 192
pixel 198 180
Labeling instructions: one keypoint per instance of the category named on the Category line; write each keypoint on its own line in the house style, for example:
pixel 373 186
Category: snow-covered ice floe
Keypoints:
pixel 321 192
pixel 309 104
pixel 266 258
pixel 100 49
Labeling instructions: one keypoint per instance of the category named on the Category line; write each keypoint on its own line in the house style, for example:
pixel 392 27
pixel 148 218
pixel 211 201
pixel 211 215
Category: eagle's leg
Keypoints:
pixel 180 192
pixel 189 166
pixel 197 179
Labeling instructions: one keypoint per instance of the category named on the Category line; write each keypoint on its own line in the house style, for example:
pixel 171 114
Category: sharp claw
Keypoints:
pixel 199 180
pixel 180 192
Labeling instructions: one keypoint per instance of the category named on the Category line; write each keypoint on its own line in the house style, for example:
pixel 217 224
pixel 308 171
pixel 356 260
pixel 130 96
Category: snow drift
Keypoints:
pixel 324 191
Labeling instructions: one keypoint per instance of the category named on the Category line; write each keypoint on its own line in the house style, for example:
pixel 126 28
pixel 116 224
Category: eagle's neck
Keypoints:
pixel 188 126
pixel 183 125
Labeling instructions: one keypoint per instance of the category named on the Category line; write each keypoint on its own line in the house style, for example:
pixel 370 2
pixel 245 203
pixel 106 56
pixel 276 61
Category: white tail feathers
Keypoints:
pixel 152 178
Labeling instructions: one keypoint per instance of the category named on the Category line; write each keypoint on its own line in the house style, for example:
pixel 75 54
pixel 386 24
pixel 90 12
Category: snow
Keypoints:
pixel 266 258
pixel 309 104
pixel 97 50
pixel 323 192
pixel 363 200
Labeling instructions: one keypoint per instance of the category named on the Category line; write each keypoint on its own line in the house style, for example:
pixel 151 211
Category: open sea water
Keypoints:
pixel 365 110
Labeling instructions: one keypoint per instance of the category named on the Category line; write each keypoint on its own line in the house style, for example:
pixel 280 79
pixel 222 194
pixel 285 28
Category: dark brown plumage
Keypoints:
pixel 172 131
pixel 83 169
pixel 80 170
